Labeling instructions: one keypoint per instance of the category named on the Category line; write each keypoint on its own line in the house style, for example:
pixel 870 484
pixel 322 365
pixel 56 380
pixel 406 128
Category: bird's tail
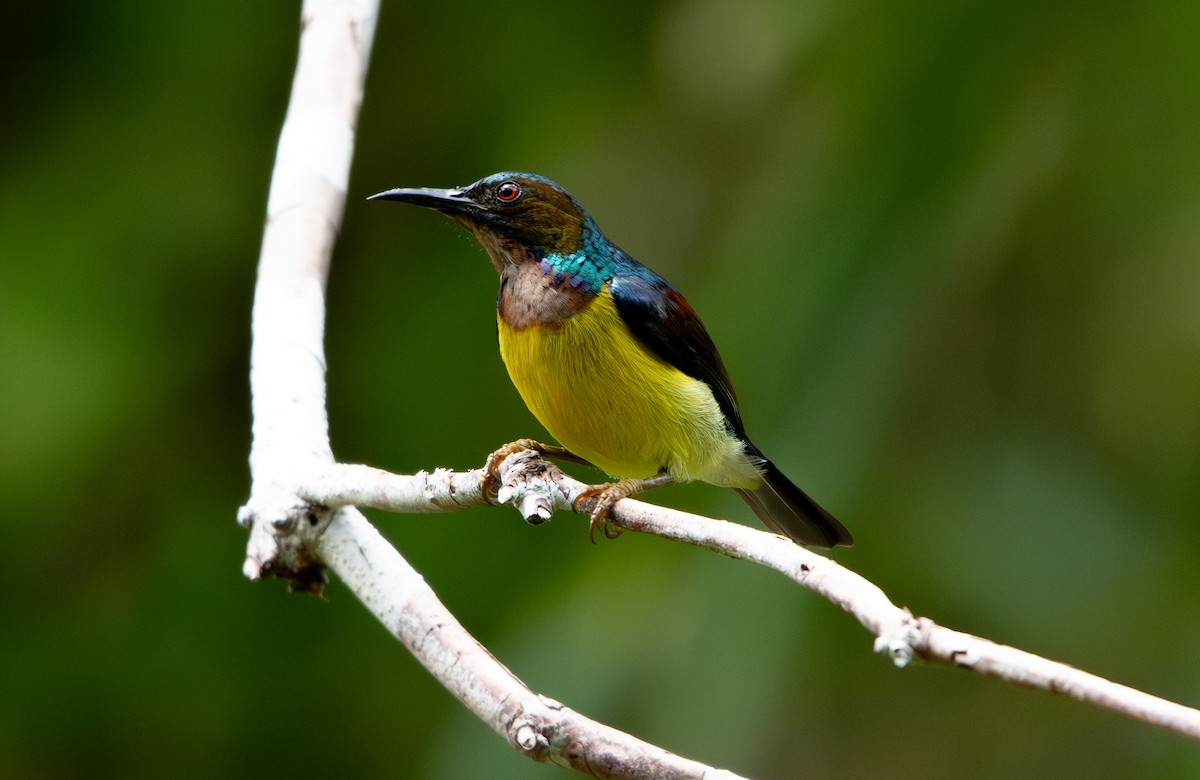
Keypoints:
pixel 787 510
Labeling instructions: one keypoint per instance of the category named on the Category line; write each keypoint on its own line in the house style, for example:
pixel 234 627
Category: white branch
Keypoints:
pixel 301 513
pixel 537 726
pixel 898 634
pixel 304 212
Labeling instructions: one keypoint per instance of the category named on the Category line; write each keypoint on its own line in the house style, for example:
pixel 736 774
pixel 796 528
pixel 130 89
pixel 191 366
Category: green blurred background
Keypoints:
pixel 951 253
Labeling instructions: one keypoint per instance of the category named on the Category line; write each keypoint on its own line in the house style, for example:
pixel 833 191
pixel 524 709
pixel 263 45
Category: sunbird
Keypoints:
pixel 610 357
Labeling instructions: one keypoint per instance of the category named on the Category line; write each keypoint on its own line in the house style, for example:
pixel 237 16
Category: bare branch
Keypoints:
pixel 898 634
pixel 342 484
pixel 304 212
pixel 539 727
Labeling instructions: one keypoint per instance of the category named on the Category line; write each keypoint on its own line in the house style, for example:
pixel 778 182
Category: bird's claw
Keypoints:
pixel 491 467
pixel 491 476
pixel 605 496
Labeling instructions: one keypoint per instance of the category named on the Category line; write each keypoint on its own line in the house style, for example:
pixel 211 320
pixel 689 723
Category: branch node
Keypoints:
pixel 531 485
pixel 280 544
pixel 901 641
pixel 530 740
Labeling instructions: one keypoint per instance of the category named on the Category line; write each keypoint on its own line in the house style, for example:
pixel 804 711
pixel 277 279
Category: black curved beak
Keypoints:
pixel 447 201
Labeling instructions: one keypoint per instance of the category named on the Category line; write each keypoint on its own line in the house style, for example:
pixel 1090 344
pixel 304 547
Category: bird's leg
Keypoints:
pixel 491 476
pixel 609 494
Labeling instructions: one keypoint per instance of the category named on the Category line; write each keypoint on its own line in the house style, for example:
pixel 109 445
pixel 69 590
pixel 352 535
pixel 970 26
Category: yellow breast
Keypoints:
pixel 603 396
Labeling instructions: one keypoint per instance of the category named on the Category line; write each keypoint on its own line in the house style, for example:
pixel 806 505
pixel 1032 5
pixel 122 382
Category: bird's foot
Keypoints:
pixel 607 495
pixel 491 467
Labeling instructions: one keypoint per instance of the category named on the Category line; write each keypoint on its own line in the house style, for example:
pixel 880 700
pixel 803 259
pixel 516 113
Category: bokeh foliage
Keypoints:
pixel 951 253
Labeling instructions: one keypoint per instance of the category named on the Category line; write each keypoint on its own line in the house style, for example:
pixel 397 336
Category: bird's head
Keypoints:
pixel 512 214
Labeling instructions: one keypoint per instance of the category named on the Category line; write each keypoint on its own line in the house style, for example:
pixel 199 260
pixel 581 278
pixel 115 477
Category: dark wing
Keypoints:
pixel 665 323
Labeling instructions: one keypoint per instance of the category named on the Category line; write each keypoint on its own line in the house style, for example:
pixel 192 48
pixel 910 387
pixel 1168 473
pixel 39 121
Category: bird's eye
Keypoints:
pixel 508 191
